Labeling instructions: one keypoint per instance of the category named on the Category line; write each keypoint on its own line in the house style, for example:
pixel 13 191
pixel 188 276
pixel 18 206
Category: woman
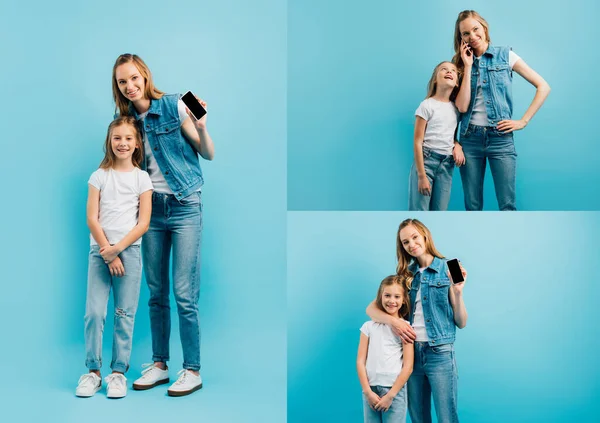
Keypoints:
pixel 485 101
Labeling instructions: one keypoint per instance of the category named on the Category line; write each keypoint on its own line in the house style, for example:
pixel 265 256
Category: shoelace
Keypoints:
pixel 182 375
pixel 87 378
pixel 116 379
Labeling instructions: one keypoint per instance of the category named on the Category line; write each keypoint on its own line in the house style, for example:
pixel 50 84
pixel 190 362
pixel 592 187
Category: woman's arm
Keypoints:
pixel 196 133
pixel 407 368
pixel 457 302
pixel 110 252
pixel 401 327
pixel 541 92
pixel 93 215
pixel 361 361
pixel 463 98
pixel 420 126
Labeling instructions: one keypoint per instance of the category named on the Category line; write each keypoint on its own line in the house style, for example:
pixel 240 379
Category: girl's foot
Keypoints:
pixel 88 385
pixel 117 385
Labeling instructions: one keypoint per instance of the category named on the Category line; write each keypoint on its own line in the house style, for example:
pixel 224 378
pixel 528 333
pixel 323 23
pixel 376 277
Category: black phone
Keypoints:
pixel 455 271
pixel 193 105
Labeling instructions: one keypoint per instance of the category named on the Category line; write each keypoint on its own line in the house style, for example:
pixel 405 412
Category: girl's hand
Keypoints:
pixel 109 253
pixel 404 330
pixel 464 54
pixel 507 126
pixel 384 403
pixel 459 156
pixel 198 123
pixel 424 185
pixel 457 288
pixel 116 267
pixel 372 399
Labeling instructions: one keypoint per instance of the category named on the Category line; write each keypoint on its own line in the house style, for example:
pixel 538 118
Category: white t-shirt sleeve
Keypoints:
pixel 366 328
pixel 513 58
pixel 145 182
pixel 98 179
pixel 181 110
pixel 424 110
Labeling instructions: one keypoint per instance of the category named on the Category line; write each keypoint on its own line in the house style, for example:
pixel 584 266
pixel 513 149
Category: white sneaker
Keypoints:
pixel 187 383
pixel 116 385
pixel 151 376
pixel 88 385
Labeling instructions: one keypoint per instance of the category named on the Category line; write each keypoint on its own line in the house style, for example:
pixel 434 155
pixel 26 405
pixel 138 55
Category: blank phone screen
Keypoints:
pixel 193 104
pixel 455 271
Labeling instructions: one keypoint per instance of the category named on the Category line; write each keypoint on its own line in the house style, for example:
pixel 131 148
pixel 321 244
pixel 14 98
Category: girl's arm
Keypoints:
pixel 361 361
pixel 196 133
pixel 420 126
pixel 110 252
pixel 457 302
pixel 542 91
pixel 93 215
pixel 401 327
pixel 463 97
pixel 407 368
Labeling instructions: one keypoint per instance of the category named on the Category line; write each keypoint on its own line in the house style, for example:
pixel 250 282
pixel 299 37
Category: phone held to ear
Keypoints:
pixel 455 272
pixel 194 106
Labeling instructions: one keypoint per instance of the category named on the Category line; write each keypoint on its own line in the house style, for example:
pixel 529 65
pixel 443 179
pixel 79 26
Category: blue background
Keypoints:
pixel 357 72
pixel 529 350
pixel 57 103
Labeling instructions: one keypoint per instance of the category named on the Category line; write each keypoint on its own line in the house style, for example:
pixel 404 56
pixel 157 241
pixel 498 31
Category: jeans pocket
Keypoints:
pixel 442 349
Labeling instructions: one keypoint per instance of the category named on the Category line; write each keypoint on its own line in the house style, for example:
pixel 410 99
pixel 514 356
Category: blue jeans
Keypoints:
pixel 126 292
pixel 434 374
pixel 395 414
pixel 439 169
pixel 175 225
pixel 482 143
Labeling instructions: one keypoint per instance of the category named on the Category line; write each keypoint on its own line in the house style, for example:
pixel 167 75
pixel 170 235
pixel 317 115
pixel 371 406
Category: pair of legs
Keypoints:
pixel 434 374
pixel 126 291
pixel 395 414
pixel 439 169
pixel 483 144
pixel 177 226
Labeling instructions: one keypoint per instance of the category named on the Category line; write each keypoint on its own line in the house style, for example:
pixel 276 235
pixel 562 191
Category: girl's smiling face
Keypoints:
pixel 391 298
pixel 447 75
pixel 413 241
pixel 130 82
pixel 123 141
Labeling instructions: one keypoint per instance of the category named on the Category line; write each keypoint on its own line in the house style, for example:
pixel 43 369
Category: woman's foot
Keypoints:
pixel 88 385
pixel 187 383
pixel 153 375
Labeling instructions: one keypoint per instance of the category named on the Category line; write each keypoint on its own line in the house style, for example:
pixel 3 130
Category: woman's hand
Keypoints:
pixel 424 185
pixel 198 123
pixel 384 403
pixel 116 267
pixel 507 126
pixel 372 398
pixel 404 330
pixel 457 288
pixel 459 156
pixel 466 54
pixel 109 253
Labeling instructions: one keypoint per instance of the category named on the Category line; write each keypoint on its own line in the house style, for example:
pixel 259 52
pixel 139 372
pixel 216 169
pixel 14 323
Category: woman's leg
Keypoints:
pixel 440 369
pixel 126 290
pixel 503 164
pixel 419 390
pixel 472 172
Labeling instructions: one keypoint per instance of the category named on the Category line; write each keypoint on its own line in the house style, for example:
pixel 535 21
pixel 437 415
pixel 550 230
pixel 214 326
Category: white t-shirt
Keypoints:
pixel 156 176
pixel 384 355
pixel 119 201
pixel 418 318
pixel 442 119
pixel 479 115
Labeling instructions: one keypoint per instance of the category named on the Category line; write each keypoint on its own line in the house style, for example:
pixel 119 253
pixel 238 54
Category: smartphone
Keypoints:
pixel 193 105
pixel 455 271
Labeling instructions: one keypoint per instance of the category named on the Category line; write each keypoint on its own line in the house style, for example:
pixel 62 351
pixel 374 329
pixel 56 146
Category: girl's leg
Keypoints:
pixel 472 172
pixel 503 164
pixel 185 222
pixel 442 185
pixel 397 411
pixel 370 415
pixel 418 389
pixel 126 291
pixel 441 371
pixel 156 249
pixel 98 290
pixel 416 200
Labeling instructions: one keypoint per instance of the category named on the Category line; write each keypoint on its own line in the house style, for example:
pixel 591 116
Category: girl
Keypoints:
pixel 384 361
pixel 436 152
pixel 485 100
pixel 173 138
pixel 118 214
pixel 437 308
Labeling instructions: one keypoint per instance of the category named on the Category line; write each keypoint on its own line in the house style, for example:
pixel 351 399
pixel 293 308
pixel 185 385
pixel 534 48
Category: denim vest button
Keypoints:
pixel 439 283
pixel 425 297
pixel 433 342
pixel 428 320
pixel 484 81
pixel 155 148
pixel 167 172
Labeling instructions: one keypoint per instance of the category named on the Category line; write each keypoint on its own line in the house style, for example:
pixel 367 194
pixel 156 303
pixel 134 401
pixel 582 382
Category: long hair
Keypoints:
pixel 404 309
pixel 150 91
pixel 109 156
pixel 457 60
pixel 405 259
pixel 432 84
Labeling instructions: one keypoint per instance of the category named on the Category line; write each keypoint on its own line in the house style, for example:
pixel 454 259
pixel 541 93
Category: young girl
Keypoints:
pixel 172 141
pixel 437 308
pixel 485 101
pixel 118 214
pixel 384 361
pixel 436 151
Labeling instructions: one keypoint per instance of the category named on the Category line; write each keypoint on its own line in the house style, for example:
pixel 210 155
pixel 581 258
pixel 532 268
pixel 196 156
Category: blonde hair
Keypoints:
pixel 405 259
pixel 465 14
pixel 109 156
pixel 404 309
pixel 150 91
pixel 432 84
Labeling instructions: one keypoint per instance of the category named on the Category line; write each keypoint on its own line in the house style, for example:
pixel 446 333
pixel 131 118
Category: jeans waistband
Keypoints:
pixel 435 154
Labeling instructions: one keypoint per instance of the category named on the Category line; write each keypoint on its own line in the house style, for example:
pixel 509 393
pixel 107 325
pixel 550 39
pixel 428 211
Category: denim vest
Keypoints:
pixel 437 310
pixel 177 159
pixel 496 84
